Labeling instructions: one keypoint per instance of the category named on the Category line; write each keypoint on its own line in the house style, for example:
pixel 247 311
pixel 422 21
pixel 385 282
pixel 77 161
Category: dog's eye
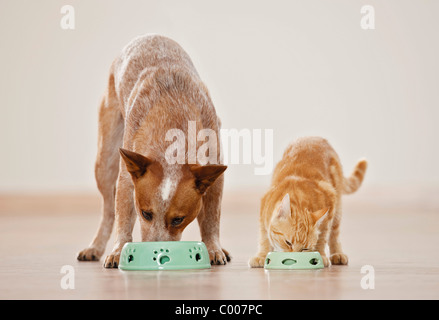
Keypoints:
pixel 288 243
pixel 176 221
pixel 147 215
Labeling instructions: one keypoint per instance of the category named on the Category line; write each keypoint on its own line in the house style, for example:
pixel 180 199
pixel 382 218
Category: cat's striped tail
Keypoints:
pixel 352 183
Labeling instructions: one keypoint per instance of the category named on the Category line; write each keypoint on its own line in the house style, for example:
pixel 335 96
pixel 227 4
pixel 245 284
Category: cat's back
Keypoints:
pixel 307 157
pixel 308 147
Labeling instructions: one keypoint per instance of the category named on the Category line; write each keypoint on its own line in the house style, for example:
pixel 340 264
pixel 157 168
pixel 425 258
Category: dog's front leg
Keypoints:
pixel 209 221
pixel 125 218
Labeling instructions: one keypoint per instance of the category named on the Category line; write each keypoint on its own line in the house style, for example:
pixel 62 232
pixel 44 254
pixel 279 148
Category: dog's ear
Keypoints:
pixel 205 176
pixel 135 162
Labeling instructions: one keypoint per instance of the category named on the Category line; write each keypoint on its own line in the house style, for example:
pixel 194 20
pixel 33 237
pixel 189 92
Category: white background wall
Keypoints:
pixel 298 67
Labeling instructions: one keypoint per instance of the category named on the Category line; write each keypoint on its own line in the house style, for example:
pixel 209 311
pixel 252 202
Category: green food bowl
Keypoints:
pixel 164 255
pixel 293 260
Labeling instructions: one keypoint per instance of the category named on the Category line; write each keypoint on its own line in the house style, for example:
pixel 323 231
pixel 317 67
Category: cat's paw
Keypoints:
pixel 256 262
pixel 325 261
pixel 339 259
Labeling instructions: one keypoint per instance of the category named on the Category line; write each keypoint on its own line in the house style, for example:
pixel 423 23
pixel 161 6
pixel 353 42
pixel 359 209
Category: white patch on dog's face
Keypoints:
pixel 156 230
pixel 166 188
pixel 169 185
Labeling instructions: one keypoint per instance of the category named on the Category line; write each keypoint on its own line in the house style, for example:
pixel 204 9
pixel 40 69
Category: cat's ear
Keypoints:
pixel 285 207
pixel 319 216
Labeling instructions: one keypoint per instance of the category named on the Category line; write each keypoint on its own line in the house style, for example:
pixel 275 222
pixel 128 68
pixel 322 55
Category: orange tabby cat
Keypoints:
pixel 304 201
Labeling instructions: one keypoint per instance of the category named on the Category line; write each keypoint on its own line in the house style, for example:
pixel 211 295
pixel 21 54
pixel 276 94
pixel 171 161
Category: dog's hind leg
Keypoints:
pixel 111 129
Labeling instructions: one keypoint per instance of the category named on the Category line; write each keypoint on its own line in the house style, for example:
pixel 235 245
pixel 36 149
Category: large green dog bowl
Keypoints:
pixel 293 260
pixel 164 255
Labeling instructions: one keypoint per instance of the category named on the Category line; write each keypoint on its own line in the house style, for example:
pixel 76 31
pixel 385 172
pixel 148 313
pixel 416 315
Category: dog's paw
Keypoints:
pixel 89 254
pixel 112 260
pixel 339 259
pixel 219 256
pixel 257 262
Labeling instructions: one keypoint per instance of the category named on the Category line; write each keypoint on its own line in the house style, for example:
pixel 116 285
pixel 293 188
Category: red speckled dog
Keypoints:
pixel 153 87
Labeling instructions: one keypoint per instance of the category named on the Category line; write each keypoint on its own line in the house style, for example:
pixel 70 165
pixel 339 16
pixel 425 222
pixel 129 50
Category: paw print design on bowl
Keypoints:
pixel 195 253
pixel 164 255
pixel 161 256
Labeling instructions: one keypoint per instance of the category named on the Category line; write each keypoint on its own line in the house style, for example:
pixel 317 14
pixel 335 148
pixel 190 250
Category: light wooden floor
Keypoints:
pixel 394 232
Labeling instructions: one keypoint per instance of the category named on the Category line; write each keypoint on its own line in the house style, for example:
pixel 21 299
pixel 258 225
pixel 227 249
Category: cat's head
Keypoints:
pixel 295 230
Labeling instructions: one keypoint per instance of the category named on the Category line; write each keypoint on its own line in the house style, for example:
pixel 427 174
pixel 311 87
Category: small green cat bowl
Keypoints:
pixel 293 261
pixel 164 255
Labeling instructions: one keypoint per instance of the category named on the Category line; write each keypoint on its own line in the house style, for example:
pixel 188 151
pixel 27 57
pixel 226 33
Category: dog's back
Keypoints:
pixel 156 83
pixel 142 57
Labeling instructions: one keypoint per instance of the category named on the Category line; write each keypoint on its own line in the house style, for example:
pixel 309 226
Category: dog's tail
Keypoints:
pixel 353 182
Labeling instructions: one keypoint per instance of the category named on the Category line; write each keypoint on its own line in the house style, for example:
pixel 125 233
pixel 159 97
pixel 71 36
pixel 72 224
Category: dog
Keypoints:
pixel 153 87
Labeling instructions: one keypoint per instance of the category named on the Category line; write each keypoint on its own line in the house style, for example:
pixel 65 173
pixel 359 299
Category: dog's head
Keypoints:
pixel 167 198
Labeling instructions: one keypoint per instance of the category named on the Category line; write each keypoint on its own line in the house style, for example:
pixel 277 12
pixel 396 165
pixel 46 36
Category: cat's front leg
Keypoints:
pixel 257 261
pixel 264 247
pixel 321 244
pixel 337 256
pixel 324 259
